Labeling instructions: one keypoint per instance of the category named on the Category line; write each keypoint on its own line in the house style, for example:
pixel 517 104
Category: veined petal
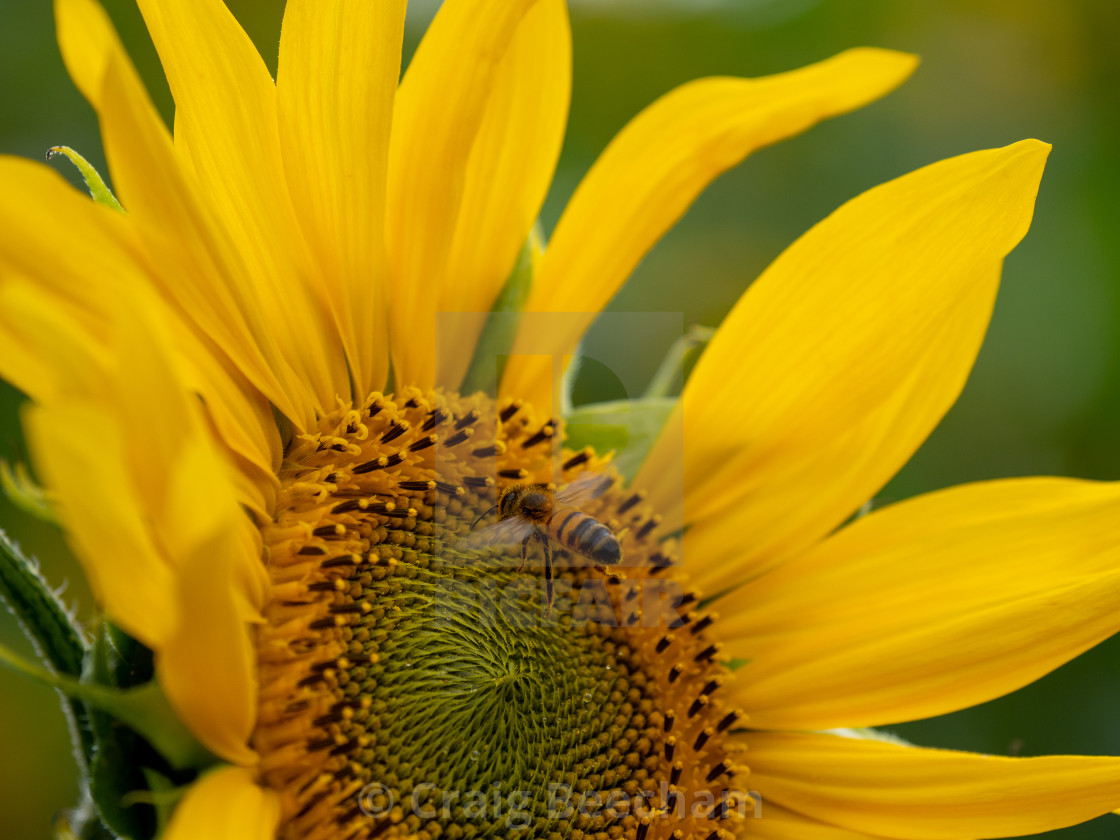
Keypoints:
pixel 200 271
pixel 508 175
pixel 777 823
pixel 923 794
pixel 656 167
pixel 440 107
pixel 339 66
pixel 242 416
pixel 225 804
pixel 945 601
pixel 227 127
pixel 227 353
pixel 840 358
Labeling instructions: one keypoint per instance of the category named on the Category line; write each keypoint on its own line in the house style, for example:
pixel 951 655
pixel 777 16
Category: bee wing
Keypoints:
pixel 504 532
pixel 585 488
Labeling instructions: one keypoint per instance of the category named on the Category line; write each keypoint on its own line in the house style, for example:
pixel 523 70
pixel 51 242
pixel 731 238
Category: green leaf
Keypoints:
pixel 94 182
pixel 627 427
pixel 498 335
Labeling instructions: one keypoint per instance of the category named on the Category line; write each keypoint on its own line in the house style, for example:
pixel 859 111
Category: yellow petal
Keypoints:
pixel 227 353
pixel 159 417
pixel 36 334
pixel 207 667
pixel 839 360
pixel 227 127
pixel 77 442
pixel 225 804
pixel 339 65
pixel 656 167
pixel 930 605
pixel 41 211
pixel 79 445
pixel 777 823
pixel 439 109
pixel 118 417
pixel 243 419
pixel 100 244
pixel 221 586
pixel 509 172
pixel 924 794
pixel 200 271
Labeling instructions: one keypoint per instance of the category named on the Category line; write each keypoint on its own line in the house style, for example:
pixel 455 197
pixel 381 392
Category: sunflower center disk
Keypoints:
pixel 415 681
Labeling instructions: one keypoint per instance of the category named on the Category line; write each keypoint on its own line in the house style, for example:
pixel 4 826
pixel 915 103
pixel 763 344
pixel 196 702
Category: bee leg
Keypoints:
pixel 525 552
pixel 547 572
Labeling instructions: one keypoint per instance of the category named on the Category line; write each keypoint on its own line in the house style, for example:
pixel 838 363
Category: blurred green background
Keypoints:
pixel 1045 393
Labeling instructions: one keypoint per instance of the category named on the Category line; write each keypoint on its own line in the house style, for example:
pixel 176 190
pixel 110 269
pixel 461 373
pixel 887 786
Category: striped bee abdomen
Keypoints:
pixel 585 535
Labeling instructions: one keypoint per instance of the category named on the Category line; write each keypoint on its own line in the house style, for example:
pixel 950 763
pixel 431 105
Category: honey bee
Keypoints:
pixel 529 513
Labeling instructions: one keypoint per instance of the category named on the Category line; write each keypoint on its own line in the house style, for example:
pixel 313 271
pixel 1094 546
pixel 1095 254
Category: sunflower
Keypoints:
pixel 252 403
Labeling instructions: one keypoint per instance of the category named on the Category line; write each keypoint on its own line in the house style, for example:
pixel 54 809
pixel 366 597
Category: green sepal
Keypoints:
pixel 23 492
pixel 94 182
pixel 117 661
pixel 143 707
pixel 56 635
pixel 672 368
pixel 120 721
pixel 138 741
pixel 58 639
pixel 626 427
pixel 162 794
pixel 132 729
pixel 497 337
pixel 630 427
pixel 114 775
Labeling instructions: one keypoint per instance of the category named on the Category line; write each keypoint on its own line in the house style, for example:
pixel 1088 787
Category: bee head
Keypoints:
pixel 510 500
pixel 535 501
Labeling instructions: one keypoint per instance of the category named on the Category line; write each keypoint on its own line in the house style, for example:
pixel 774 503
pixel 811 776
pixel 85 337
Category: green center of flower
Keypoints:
pixel 415 677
